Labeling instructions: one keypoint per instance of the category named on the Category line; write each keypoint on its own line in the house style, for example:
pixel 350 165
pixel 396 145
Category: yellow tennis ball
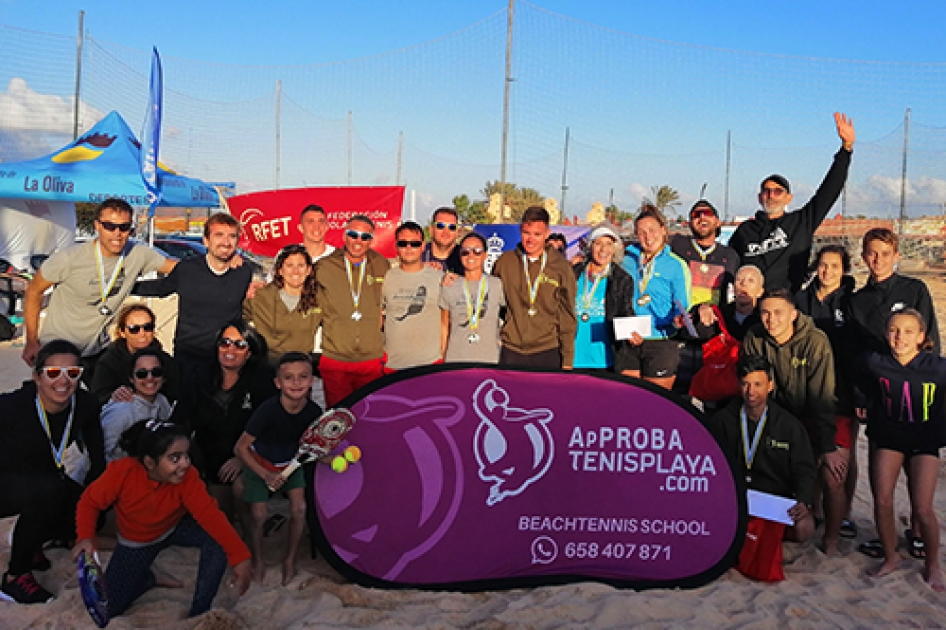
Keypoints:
pixel 352 454
pixel 339 464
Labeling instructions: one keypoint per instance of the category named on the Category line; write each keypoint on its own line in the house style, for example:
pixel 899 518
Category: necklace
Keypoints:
pixel 44 420
pixel 356 295
pixel 105 289
pixel 533 285
pixel 750 450
pixel 473 311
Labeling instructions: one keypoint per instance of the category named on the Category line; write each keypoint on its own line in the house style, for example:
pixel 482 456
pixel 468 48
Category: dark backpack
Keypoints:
pixel 7 330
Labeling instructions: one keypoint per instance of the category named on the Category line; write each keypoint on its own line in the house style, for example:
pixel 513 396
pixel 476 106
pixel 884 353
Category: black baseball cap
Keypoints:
pixel 703 203
pixel 778 179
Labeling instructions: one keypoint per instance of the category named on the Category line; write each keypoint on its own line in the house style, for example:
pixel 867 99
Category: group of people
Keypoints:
pixel 253 364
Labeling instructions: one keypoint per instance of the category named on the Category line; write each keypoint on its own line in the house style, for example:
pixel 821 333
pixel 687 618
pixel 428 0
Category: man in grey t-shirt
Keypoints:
pixel 90 280
pixel 411 302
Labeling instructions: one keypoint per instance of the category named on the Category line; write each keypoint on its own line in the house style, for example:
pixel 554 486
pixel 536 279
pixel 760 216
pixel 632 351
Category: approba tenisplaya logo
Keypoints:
pixel 513 446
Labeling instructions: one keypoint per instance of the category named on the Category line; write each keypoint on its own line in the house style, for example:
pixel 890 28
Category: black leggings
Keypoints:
pixel 46 504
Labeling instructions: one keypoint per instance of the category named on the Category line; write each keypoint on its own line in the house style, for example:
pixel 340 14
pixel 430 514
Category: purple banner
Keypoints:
pixel 476 477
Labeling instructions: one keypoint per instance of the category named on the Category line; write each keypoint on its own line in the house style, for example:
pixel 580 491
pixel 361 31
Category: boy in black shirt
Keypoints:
pixel 268 445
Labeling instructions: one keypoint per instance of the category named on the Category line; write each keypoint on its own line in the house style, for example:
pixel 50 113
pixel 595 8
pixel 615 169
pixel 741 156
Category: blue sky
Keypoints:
pixel 768 71
pixel 290 31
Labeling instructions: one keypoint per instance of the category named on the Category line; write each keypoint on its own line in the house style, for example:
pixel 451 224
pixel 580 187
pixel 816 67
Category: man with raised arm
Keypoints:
pixel 777 241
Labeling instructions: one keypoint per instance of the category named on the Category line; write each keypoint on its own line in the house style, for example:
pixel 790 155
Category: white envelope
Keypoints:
pixel 771 507
pixel 624 326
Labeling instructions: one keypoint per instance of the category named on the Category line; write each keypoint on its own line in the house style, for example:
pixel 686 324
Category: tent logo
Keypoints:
pixel 513 446
pixel 96 144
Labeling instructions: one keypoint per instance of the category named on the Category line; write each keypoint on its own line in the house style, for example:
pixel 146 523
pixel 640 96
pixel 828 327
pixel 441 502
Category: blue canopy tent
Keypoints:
pixel 104 162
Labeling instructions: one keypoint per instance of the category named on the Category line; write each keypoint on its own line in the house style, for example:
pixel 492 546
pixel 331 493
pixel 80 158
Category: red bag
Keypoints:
pixel 717 379
pixel 761 555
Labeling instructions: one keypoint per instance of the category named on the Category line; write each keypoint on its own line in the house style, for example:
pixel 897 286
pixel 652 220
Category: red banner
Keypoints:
pixel 271 218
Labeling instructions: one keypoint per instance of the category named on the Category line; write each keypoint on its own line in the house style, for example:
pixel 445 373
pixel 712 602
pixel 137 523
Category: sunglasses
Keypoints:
pixel 52 372
pixel 440 225
pixel 355 234
pixel 471 251
pixel 134 329
pixel 774 192
pixel 226 342
pixel 414 244
pixel 108 226
pixel 701 213
pixel 142 373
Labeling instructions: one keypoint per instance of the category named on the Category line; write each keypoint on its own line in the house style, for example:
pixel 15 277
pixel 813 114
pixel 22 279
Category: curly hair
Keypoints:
pixel 307 301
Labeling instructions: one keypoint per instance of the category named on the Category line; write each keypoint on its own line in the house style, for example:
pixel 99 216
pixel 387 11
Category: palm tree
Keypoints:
pixel 517 199
pixel 665 198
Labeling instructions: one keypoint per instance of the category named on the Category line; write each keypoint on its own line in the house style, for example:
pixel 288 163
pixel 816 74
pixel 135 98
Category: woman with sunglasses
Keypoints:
pixel 605 291
pixel 469 307
pixel 41 420
pixel 284 311
pixel 147 402
pixel 134 330
pixel 220 401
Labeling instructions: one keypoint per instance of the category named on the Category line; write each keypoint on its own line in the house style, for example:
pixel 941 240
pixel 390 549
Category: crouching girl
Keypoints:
pixel 159 501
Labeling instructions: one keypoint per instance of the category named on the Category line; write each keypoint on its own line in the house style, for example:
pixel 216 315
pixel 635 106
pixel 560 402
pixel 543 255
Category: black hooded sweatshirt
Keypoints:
pixel 781 247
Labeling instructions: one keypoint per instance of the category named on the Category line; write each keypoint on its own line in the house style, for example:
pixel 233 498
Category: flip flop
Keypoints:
pixel 871 549
pixel 915 545
pixel 848 529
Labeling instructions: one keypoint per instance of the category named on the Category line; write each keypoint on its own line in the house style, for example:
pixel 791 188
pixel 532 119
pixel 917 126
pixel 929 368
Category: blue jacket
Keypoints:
pixel 669 285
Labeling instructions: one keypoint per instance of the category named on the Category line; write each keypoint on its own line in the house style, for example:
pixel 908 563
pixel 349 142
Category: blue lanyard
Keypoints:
pixel 41 412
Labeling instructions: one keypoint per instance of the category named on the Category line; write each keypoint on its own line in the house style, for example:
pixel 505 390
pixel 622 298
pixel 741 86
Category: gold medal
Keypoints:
pixel 643 300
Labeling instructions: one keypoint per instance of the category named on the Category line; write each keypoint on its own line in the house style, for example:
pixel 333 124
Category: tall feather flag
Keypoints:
pixel 151 135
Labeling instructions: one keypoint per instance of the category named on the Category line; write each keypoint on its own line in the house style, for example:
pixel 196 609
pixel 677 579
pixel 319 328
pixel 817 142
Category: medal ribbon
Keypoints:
pixel 588 296
pixel 703 252
pixel 356 295
pixel 473 314
pixel 646 272
pixel 41 412
pixel 749 451
pixel 103 289
pixel 533 286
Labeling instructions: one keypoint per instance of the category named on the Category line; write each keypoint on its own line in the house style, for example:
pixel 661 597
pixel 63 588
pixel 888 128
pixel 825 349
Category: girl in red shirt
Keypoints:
pixel 159 501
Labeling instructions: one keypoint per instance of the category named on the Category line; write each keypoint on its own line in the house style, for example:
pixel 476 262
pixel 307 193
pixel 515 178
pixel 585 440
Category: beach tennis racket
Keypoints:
pixel 320 438
pixel 92 587
pixel 687 320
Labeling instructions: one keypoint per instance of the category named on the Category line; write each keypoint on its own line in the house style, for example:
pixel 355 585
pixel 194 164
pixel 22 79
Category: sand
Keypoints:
pixel 818 592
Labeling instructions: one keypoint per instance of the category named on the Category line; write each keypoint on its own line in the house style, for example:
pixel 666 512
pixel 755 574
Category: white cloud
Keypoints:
pixel 24 109
pixel 639 191
pixel 33 124
pixel 922 190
